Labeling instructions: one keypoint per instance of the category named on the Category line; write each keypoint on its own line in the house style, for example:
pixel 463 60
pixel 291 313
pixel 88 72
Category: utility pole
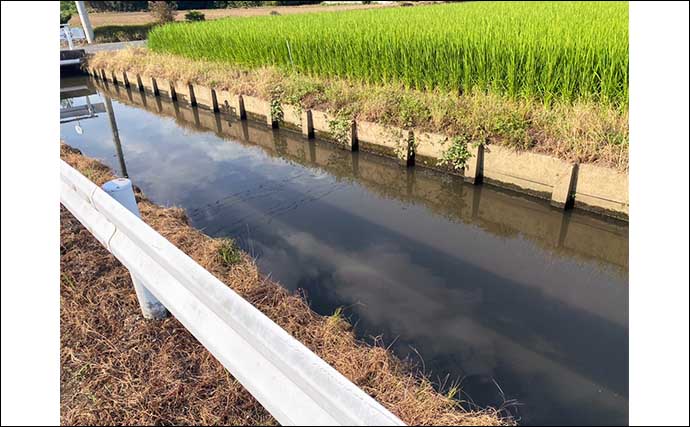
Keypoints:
pixel 85 23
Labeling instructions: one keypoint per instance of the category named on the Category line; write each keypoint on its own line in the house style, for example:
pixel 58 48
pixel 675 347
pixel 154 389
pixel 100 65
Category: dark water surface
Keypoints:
pixel 496 291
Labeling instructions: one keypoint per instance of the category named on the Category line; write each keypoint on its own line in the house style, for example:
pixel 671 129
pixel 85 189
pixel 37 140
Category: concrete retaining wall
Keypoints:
pixel 429 149
pixel 104 75
pixel 139 99
pixel 292 116
pixel 320 125
pixel 257 108
pixel 149 84
pixel 205 97
pixel 387 140
pixel 184 92
pixel 602 190
pixel 122 78
pixel 133 80
pixel 536 174
pixel 231 103
pixel 112 76
pixel 166 88
pixel 564 184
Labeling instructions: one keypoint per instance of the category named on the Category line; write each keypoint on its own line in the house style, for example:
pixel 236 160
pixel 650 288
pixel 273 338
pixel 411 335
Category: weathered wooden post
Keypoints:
pixel 121 190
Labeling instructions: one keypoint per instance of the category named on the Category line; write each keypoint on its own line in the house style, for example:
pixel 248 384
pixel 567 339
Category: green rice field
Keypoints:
pixel 549 51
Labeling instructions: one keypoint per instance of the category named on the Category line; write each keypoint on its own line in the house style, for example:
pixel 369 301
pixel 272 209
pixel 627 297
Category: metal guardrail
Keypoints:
pixel 81 112
pixel 291 382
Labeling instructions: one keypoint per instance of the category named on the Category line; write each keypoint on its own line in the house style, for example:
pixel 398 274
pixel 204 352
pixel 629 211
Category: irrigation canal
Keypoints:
pixel 495 291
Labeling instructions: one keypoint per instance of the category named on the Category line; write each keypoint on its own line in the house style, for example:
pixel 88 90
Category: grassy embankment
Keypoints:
pixel 551 78
pixel 117 368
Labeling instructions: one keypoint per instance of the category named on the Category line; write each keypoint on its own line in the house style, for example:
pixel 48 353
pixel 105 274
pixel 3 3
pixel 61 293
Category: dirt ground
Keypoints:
pixel 120 369
pixel 131 18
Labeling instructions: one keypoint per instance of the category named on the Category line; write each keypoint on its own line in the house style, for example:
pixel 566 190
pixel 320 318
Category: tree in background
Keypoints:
pixel 67 9
pixel 163 11
pixel 194 16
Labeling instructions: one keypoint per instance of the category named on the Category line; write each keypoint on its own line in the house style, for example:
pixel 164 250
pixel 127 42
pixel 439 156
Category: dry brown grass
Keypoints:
pixel 584 132
pixel 117 368
pixel 137 18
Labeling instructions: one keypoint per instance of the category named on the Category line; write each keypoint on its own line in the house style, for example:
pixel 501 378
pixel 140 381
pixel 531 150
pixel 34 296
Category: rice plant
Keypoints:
pixel 535 50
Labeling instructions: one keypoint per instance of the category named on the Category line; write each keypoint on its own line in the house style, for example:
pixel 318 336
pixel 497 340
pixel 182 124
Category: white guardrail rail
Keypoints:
pixel 291 382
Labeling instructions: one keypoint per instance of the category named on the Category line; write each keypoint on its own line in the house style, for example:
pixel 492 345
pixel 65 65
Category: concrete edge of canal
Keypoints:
pixel 593 188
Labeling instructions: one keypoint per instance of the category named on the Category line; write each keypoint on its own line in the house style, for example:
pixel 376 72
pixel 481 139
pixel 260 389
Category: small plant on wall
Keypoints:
pixel 277 113
pixel 341 129
pixel 457 155
pixel 405 145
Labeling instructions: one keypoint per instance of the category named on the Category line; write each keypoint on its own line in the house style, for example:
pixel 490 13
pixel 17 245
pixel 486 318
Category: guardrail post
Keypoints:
pixel 68 36
pixel 121 190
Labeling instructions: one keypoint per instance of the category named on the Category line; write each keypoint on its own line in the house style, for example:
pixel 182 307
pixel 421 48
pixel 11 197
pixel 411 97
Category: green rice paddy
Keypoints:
pixel 549 51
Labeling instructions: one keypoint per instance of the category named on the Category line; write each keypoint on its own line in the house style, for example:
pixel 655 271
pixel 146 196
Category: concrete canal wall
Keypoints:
pixel 564 184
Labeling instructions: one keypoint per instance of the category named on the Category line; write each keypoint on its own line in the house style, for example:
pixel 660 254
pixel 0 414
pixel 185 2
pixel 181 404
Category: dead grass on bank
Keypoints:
pixel 117 368
pixel 584 132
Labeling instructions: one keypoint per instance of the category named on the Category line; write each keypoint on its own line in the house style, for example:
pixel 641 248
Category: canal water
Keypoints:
pixel 522 305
